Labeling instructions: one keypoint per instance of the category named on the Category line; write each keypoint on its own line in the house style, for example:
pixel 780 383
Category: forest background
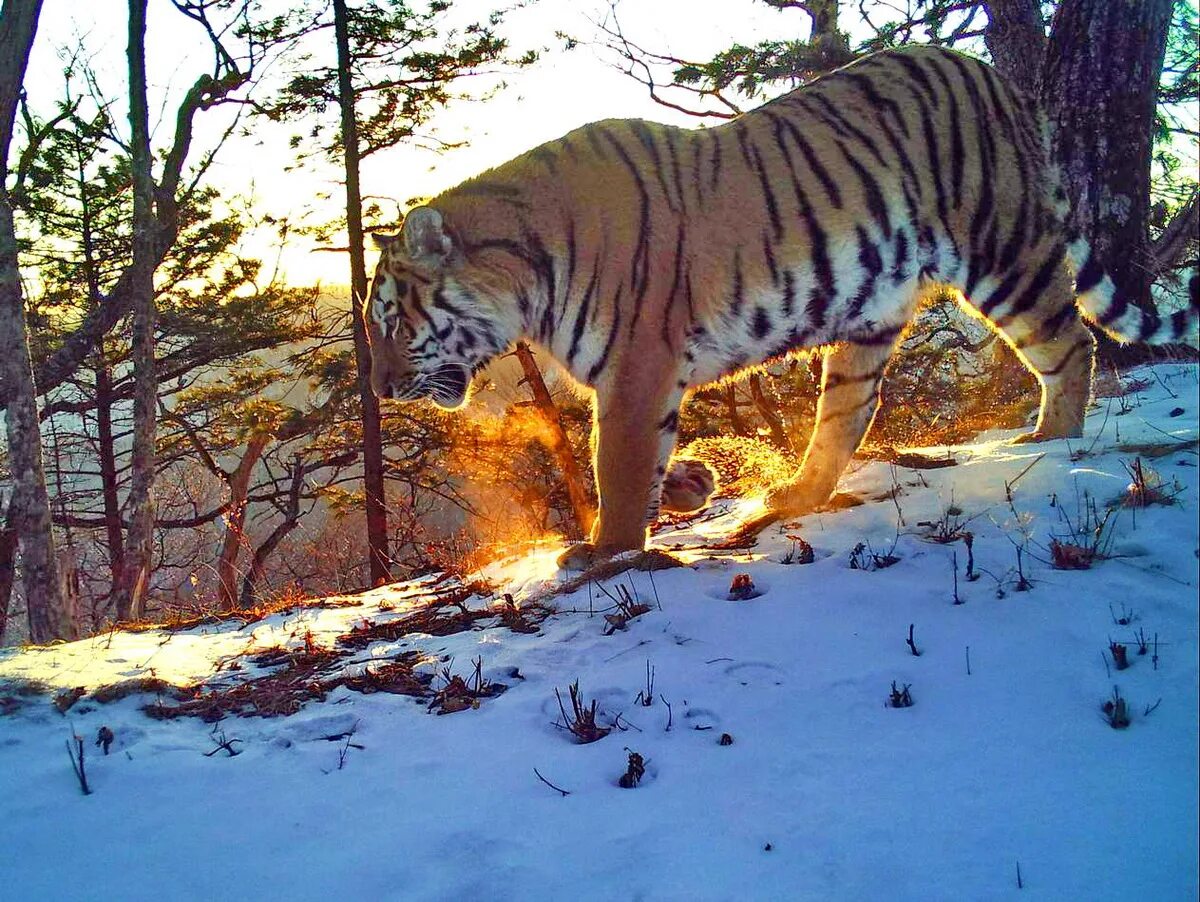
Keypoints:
pixel 184 197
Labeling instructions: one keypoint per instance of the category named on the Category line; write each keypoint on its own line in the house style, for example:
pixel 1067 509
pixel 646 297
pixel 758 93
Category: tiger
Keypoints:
pixel 650 260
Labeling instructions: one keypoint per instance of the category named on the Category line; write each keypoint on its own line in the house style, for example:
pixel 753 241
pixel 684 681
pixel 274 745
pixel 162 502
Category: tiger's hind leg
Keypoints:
pixel 849 397
pixel 1051 340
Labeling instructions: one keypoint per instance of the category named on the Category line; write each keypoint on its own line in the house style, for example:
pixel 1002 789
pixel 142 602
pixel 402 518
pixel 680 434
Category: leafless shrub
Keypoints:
pixel 582 722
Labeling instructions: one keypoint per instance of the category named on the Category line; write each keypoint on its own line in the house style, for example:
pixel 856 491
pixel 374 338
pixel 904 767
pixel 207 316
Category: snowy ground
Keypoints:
pixel 825 791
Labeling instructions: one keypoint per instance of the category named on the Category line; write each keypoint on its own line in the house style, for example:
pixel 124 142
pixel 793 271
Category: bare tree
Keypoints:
pixel 48 617
pixel 377 538
pixel 131 583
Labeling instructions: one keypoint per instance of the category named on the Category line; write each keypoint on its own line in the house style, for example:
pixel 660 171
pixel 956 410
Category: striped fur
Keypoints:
pixel 650 259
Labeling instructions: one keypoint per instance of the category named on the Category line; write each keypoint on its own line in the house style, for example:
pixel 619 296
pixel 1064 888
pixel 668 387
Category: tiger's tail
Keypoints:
pixel 1106 306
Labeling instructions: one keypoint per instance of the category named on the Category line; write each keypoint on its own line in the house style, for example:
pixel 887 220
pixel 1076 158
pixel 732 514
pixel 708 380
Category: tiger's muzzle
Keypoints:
pixel 446 386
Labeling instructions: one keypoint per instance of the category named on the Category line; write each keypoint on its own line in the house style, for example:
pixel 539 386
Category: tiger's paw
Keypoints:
pixel 579 556
pixel 1041 435
pixel 603 561
pixel 687 487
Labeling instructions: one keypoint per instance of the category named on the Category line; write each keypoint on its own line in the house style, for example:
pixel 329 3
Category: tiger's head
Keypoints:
pixel 433 319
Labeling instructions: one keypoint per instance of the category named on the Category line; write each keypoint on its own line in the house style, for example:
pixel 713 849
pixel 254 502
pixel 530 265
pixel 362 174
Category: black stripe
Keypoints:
pixel 670 422
pixel 716 159
pixel 1090 274
pixel 874 197
pixel 837 380
pixel 639 273
pixel 958 154
pixel 673 153
pixel 871 262
pixel 1037 286
pixel 1117 305
pixel 827 417
pixel 901 258
pixel 987 151
pixel 918 75
pixel 769 254
pixel 823 288
pixel 839 124
pixel 1052 325
pixel 739 129
pixel 876 100
pixel 697 156
pixel 676 284
pixel 831 188
pixel 572 253
pixel 789 293
pixel 598 366
pixel 546 156
pixel 1075 349
pixel 768 196
pixel 935 165
pixel 761 324
pixel 581 318
pixel 1001 293
pixel 1150 324
pixel 1181 321
pixel 591 132
pixel 441 302
pixel 646 137
pixel 876 338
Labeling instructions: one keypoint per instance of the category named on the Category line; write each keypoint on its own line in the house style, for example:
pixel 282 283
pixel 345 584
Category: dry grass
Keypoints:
pixel 303 675
pixel 186 620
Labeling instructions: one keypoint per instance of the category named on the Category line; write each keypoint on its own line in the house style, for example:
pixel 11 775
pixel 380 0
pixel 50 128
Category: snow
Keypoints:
pixel 1011 764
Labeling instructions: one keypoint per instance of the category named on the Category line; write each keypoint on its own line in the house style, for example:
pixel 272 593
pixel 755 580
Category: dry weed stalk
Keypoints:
pixel 627 609
pixel 583 722
pixel 635 770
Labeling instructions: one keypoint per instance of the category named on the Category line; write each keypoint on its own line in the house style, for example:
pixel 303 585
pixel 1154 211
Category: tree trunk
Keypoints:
pixel 1016 38
pixel 769 413
pixel 560 446
pixel 135 572
pixel 105 445
pixel 235 521
pixel 291 517
pixel 48 618
pixel 729 393
pixel 377 537
pixel 1100 84
pixel 8 556
pixel 106 451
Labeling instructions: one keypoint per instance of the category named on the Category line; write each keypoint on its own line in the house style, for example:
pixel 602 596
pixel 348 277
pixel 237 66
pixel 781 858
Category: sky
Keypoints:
pixel 564 90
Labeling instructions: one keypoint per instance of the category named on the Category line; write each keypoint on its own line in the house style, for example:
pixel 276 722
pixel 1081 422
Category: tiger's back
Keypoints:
pixel 650 259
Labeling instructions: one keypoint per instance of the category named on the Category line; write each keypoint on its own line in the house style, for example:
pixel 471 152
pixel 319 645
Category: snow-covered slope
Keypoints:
pixel 826 792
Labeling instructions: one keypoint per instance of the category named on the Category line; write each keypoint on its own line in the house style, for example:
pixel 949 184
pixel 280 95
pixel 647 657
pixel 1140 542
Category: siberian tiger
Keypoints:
pixel 649 260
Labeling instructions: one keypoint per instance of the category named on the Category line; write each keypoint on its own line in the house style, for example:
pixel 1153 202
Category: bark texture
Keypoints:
pixel 1016 38
pixel 48 617
pixel 377 537
pixel 1100 84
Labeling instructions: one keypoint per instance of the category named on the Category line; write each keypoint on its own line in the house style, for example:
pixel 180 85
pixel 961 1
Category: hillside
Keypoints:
pixel 1005 767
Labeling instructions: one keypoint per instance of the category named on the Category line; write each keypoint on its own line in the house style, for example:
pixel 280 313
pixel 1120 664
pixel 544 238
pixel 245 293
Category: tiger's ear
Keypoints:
pixel 383 242
pixel 425 238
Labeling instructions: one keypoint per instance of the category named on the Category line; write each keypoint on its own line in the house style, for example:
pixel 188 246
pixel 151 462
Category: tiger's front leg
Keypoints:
pixel 637 419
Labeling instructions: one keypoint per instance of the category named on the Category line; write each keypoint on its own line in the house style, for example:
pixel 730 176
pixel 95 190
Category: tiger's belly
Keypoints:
pixel 763 328
pixel 864 290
